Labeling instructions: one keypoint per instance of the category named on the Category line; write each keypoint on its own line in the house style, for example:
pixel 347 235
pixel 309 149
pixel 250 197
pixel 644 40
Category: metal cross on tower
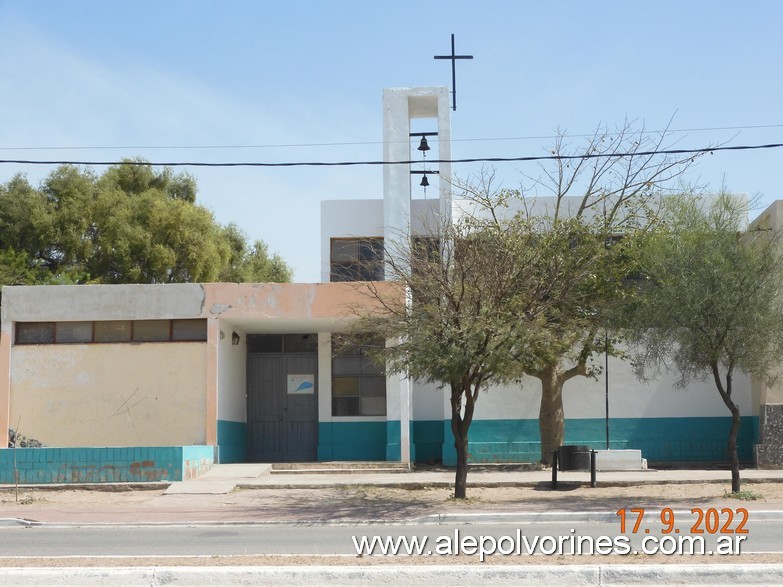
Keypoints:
pixel 453 58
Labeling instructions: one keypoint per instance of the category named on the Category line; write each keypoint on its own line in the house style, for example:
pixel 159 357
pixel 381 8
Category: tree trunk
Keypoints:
pixel 732 448
pixel 736 421
pixel 461 478
pixel 551 418
pixel 460 423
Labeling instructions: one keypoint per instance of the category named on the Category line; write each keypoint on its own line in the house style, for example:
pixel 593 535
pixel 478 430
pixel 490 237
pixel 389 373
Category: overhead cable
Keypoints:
pixel 553 157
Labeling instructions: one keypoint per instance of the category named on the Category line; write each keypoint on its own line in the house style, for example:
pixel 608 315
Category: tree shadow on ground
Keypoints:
pixel 370 503
pixel 347 503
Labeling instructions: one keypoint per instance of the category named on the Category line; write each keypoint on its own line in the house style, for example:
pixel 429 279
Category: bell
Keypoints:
pixel 424 181
pixel 423 146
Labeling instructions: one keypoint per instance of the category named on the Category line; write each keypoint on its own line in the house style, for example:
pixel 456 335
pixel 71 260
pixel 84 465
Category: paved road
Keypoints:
pixel 254 539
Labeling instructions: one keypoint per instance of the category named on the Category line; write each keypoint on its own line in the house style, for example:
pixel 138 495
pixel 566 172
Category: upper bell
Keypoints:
pixel 423 146
pixel 424 181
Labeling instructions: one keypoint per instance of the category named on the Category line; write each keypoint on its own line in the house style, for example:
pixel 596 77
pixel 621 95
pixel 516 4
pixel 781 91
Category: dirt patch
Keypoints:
pixel 77 497
pixel 379 503
pixel 362 503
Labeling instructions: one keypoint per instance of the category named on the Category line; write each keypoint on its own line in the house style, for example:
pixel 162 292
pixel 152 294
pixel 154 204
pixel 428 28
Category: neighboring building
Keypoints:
pixel 146 382
pixel 143 382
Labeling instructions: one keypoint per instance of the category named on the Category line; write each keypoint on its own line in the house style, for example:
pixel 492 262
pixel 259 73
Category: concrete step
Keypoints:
pixel 339 467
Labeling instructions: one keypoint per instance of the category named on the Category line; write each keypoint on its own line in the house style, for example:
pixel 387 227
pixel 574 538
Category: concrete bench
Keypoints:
pixel 600 460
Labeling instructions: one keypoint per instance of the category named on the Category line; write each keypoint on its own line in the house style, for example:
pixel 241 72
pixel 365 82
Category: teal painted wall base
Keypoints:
pixel 427 438
pixel 393 450
pixel 232 441
pixel 105 464
pixel 352 441
pixel 512 441
pixel 412 442
pixel 659 439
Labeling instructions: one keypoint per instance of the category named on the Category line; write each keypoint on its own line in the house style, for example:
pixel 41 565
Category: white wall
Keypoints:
pixel 628 398
pixel 364 218
pixel 232 374
pixel 346 219
pixel 425 219
pixel 428 402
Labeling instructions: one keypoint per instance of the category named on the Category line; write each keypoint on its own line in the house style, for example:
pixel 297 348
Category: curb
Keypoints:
pixel 475 484
pixel 5 522
pixel 107 487
pixel 584 517
pixel 753 574
pixel 346 481
pixel 580 517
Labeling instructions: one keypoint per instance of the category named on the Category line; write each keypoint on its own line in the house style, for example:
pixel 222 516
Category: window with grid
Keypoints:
pixel 356 259
pixel 107 331
pixel 358 384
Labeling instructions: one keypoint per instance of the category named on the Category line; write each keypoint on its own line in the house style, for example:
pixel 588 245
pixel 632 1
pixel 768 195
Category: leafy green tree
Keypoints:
pixel 15 268
pixel 578 320
pixel 132 224
pixel 455 317
pixel 252 264
pixel 714 306
pixel 25 220
pixel 610 187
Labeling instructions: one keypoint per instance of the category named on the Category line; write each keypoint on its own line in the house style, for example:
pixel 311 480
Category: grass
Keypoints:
pixel 23 500
pixel 745 495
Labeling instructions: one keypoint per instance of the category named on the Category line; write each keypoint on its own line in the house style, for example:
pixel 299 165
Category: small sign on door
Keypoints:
pixel 301 384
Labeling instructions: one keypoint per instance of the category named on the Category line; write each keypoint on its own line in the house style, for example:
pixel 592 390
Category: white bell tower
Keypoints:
pixel 400 106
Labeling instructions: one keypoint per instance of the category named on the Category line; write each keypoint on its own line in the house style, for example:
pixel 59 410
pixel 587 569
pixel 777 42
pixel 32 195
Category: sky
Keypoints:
pixel 302 80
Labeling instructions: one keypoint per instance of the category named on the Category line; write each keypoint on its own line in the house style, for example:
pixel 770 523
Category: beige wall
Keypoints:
pixel 151 394
pixel 5 386
pixel 75 394
pixel 770 219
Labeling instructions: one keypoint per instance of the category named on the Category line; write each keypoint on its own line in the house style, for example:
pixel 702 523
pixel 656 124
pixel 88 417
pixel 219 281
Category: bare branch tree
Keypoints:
pixel 615 192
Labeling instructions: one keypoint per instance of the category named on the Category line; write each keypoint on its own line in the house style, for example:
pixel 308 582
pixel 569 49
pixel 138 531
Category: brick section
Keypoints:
pixel 769 451
pixel 104 464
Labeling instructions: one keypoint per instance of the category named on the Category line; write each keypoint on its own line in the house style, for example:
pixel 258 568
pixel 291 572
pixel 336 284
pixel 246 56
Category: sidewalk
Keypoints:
pixel 226 478
pixel 250 493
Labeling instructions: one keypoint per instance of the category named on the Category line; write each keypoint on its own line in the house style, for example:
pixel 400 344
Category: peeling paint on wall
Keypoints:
pixel 105 464
pixel 102 302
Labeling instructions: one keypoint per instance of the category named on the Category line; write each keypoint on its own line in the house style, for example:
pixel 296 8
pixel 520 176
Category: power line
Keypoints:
pixel 194 147
pixel 553 157
pixel 364 143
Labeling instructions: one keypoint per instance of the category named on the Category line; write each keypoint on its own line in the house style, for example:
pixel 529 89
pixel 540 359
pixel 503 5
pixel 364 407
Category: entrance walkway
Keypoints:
pixel 220 479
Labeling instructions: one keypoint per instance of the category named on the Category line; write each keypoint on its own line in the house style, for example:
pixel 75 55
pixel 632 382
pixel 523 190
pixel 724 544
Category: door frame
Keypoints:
pixel 283 356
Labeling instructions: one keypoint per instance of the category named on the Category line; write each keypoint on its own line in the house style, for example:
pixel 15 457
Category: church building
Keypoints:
pixel 154 382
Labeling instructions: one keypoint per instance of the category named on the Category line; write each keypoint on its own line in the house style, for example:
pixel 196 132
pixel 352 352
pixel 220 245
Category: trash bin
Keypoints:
pixel 574 457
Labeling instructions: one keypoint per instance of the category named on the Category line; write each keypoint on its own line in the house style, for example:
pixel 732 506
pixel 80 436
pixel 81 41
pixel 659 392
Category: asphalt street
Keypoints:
pixel 196 518
pixel 520 538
